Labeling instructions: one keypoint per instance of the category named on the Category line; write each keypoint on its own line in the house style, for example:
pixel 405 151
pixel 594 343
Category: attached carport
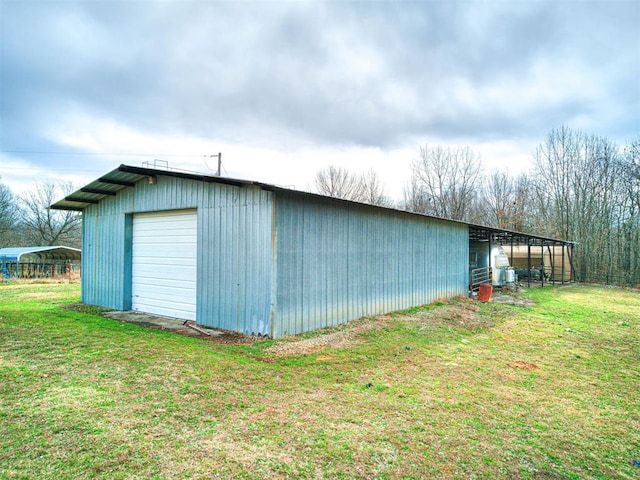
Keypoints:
pixel 510 240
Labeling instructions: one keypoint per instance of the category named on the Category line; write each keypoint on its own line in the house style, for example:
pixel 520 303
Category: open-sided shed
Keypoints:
pixel 37 261
pixel 529 254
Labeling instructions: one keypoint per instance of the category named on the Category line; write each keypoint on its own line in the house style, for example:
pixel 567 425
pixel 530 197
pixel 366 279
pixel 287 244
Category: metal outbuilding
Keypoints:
pixel 256 258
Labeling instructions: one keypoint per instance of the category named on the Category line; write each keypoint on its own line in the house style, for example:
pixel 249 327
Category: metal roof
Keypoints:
pixel 14 254
pixel 481 233
pixel 126 176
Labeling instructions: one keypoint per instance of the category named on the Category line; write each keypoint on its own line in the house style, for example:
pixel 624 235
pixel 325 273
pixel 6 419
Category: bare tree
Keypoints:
pixel 415 198
pixel 373 189
pixel 8 217
pixel 554 162
pixel 498 197
pixel 505 201
pixel 629 227
pixel 338 182
pixel 450 179
pixel 631 172
pixel 577 193
pixel 44 226
pixel 523 212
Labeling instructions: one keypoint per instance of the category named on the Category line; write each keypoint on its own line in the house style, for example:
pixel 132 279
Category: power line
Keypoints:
pixel 56 169
pixel 105 154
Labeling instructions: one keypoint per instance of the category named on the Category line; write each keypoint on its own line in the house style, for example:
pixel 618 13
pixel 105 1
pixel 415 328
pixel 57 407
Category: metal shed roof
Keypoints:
pixel 15 254
pixel 126 176
pixel 481 233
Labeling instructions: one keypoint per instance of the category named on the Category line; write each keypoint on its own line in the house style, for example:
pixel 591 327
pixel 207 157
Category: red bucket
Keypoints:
pixel 484 294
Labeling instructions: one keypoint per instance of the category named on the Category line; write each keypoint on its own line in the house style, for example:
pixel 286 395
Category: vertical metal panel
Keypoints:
pixel 127 293
pixel 234 249
pixel 337 261
pixel 103 254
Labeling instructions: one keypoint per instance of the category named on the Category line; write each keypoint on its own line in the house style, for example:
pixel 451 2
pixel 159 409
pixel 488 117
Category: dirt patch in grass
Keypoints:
pixel 522 365
pixel 464 313
pixel 84 308
pixel 232 338
pixel 512 300
pixel 346 337
pixel 461 313
pixel 311 345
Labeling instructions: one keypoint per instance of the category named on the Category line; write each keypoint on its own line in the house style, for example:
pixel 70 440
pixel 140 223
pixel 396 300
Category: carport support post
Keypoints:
pixel 562 264
pixel 511 258
pixel 553 262
pixel 542 264
pixel 529 262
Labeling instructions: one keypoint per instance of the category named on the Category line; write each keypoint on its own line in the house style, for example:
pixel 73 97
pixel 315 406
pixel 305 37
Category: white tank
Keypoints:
pixel 509 275
pixel 499 263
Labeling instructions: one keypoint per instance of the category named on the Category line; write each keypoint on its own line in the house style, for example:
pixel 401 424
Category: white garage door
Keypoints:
pixel 164 263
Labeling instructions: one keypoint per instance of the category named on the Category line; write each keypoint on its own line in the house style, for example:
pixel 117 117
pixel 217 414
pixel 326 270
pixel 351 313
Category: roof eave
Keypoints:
pixel 127 176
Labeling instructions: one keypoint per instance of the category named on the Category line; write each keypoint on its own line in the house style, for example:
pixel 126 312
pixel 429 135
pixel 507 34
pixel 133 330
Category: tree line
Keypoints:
pixel 581 187
pixel 26 220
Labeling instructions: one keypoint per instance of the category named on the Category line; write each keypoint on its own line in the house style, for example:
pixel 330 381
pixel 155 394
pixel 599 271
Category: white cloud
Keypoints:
pixel 22 176
pixel 295 167
pixel 283 89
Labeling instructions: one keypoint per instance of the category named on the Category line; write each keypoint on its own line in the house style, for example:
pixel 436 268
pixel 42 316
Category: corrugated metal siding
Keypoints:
pixel 338 261
pixel 103 254
pixel 234 249
pixel 236 260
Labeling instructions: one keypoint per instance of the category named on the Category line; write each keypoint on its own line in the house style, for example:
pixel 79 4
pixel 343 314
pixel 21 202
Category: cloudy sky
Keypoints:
pixel 283 88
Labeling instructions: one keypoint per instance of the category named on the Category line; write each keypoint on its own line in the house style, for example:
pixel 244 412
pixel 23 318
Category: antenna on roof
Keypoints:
pixel 157 163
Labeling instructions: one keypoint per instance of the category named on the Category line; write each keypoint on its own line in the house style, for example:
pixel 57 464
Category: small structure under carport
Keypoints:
pixel 257 258
pixel 37 262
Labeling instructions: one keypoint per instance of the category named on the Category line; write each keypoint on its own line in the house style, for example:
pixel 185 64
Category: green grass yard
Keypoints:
pixel 457 390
